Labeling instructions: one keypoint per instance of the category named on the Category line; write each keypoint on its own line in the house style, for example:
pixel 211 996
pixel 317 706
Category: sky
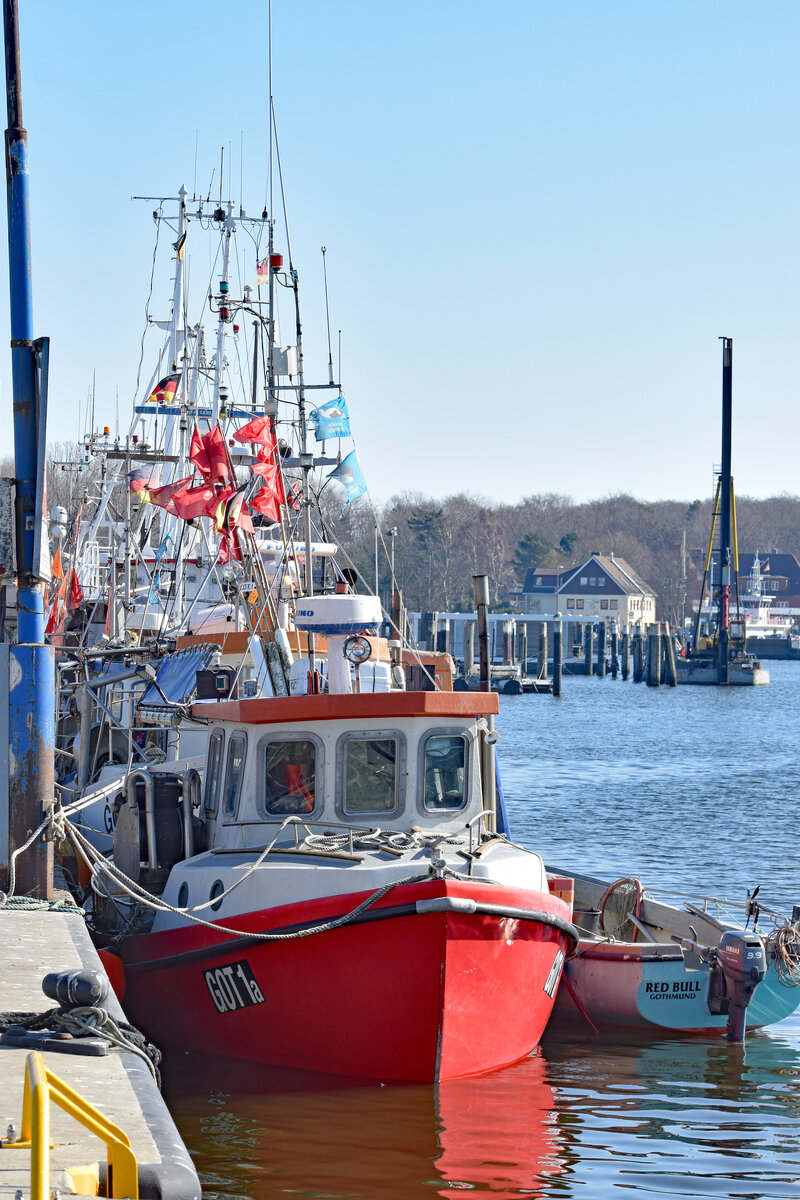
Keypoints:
pixel 539 218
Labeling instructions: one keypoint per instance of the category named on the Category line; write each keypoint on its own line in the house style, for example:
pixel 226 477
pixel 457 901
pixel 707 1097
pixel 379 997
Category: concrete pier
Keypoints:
pixel 118 1084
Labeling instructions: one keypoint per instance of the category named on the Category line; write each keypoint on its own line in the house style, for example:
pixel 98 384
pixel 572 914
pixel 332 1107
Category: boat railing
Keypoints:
pixel 704 905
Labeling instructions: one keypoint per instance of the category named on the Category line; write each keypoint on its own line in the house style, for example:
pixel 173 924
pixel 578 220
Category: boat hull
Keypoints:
pixel 653 988
pixel 401 995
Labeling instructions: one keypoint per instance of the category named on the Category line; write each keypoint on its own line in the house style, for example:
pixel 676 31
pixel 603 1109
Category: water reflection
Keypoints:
pixel 688 1117
pixel 263 1133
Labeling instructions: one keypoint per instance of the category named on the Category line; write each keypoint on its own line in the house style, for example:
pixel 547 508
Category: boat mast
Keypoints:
pixel 222 325
pixel 725 510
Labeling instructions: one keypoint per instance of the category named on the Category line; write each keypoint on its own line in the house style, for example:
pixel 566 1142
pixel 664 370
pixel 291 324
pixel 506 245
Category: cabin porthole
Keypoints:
pixel 216 890
pixel 183 896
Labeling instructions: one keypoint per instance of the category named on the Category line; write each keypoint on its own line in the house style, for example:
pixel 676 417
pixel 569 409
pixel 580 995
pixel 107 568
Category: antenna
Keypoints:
pixel 116 422
pixel 327 316
pixel 94 383
pixel 221 172
pixel 194 181
pixel 241 172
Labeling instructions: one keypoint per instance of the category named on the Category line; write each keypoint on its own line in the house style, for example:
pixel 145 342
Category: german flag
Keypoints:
pixel 165 390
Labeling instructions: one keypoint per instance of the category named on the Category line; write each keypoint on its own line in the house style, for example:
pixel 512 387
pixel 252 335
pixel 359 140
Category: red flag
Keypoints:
pixel 56 569
pixel 216 451
pixel 162 496
pixel 269 499
pixel 74 592
pixel 198 455
pixel 191 502
pixel 259 432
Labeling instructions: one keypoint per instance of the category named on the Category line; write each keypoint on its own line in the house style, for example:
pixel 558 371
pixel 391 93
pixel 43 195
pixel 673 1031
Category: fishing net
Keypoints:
pixel 619 902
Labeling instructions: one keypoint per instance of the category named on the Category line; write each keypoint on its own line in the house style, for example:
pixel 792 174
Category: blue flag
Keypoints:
pixel 331 420
pixel 348 473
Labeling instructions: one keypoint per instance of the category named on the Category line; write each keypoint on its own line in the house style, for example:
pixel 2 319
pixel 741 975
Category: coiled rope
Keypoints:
pixel 783 944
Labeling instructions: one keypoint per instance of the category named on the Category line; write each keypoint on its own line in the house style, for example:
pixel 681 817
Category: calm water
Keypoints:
pixel 690 788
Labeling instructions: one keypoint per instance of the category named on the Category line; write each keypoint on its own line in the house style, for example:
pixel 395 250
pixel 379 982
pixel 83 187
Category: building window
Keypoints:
pixel 604 604
pixel 291 776
pixel 538 581
pixel 579 604
pixel 601 580
pixel 584 581
pixel 592 581
pixel 570 604
pixel 613 603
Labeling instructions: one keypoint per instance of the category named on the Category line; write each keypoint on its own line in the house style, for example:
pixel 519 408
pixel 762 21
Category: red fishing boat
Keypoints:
pixel 354 908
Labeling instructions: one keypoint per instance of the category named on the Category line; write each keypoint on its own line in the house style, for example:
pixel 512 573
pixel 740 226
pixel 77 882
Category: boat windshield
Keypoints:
pixel 445 762
pixel 370 775
pixel 291 776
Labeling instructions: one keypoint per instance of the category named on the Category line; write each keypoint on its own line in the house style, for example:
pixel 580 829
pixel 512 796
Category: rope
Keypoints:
pixel 784 945
pixel 160 905
pixel 87 1021
pixel 54 828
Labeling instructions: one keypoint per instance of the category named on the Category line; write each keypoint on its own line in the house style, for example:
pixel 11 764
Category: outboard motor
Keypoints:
pixel 741 964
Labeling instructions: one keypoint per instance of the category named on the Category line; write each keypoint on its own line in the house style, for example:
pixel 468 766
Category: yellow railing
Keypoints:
pixel 41 1087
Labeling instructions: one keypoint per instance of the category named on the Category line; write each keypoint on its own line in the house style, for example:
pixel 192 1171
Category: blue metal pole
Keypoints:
pixel 32 673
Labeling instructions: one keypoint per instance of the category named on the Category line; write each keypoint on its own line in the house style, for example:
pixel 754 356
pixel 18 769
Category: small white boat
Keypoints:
pixel 645 964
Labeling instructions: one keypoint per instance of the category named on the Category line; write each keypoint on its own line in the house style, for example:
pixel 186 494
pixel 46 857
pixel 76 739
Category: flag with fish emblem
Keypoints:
pixel 165 390
pixel 349 474
pixel 331 420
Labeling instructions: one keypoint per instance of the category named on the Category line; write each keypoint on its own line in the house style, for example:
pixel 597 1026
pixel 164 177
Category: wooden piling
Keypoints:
pixel 638 656
pixel 508 643
pixel 654 656
pixel 541 659
pixel 556 658
pixel 601 649
pixel 614 651
pixel 588 648
pixel 625 653
pixel 443 635
pixel 670 669
pixel 427 623
pixel 522 647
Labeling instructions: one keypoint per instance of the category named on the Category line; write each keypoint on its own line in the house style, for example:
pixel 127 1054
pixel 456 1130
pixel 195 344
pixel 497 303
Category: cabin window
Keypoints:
pixel 237 744
pixel 213 767
pixel 444 772
pixel 291 776
pixel 368 773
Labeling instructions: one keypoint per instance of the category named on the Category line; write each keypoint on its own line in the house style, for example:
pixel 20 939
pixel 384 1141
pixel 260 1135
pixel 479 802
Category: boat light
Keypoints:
pixel 276 261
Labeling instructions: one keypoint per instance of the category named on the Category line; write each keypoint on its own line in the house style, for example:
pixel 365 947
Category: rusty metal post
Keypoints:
pixel 31 662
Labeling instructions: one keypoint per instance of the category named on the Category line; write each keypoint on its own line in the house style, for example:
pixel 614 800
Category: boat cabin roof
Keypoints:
pixel 355 706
